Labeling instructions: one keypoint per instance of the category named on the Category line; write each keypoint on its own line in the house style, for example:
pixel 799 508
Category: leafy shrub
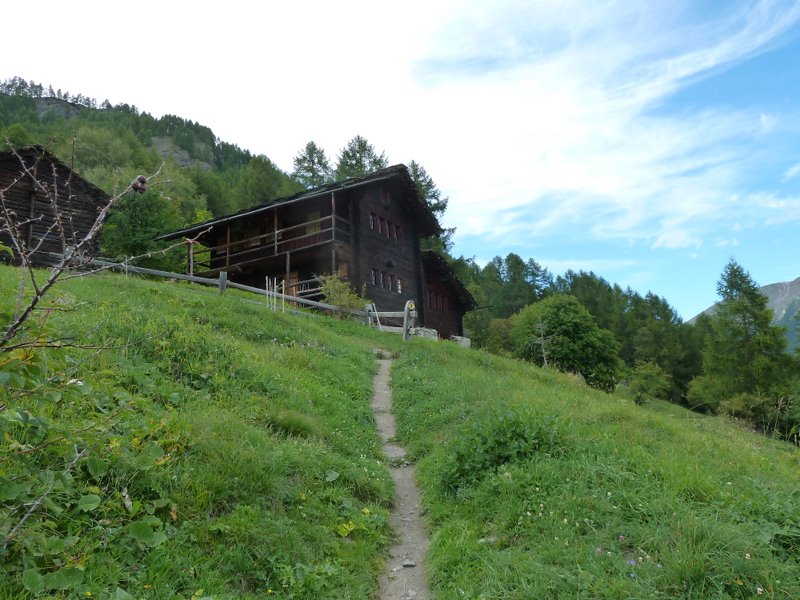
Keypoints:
pixel 338 292
pixel 491 440
pixel 648 382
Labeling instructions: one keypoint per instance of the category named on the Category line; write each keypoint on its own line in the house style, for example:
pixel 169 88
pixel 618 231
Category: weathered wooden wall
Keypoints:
pixel 375 247
pixel 63 194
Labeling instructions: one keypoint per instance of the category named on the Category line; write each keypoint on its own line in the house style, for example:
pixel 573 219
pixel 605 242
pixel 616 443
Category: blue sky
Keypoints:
pixel 646 141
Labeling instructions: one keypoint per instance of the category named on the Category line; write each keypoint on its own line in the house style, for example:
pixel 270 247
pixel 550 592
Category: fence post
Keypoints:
pixel 407 318
pixel 223 281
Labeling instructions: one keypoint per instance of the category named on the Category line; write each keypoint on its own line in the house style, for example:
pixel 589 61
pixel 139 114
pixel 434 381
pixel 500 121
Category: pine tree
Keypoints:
pixel 358 158
pixel 430 193
pixel 745 353
pixel 311 167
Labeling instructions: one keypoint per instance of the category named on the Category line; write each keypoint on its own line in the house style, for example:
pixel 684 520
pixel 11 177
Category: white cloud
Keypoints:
pixel 792 172
pixel 538 119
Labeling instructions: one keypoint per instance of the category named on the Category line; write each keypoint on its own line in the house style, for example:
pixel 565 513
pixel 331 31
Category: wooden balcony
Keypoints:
pixel 240 253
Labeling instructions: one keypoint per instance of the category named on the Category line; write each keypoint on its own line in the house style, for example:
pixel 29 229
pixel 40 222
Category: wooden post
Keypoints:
pixel 407 318
pixel 228 247
pixel 275 233
pixel 223 281
pixel 190 257
pixel 333 233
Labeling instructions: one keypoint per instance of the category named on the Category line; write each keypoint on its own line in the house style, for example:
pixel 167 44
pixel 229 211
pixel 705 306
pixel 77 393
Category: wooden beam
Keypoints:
pixel 333 233
pixel 228 247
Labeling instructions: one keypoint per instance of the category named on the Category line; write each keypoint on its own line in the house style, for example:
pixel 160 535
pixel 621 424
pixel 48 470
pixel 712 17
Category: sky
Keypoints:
pixel 647 141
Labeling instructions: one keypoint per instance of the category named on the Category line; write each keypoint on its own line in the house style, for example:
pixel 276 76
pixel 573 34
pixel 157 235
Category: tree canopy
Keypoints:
pixel 744 353
pixel 560 332
pixel 311 167
pixel 357 158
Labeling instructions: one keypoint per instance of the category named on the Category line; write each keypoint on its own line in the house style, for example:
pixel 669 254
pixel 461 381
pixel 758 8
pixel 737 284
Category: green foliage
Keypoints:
pixel 430 193
pixel 116 143
pixel 337 292
pixel 746 370
pixel 644 502
pixel 745 353
pixel 16 135
pixel 260 182
pixel 358 158
pixel 134 224
pixel 649 382
pixel 495 440
pixel 195 451
pixel 311 167
pixel 559 331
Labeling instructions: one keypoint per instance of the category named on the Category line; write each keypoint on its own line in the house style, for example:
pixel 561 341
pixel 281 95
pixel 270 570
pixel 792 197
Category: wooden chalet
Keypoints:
pixel 365 229
pixel 39 195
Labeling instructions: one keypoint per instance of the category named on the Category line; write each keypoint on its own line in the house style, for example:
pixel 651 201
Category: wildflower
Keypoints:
pixel 747 556
pixel 598 550
pixel 366 511
pixel 88 594
pixel 759 590
pixel 632 562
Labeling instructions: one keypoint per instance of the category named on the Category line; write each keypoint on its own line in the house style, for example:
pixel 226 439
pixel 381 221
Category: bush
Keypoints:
pixel 649 382
pixel 338 292
pixel 492 440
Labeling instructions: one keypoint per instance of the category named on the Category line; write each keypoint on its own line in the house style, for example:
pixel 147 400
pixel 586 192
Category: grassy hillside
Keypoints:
pixel 221 448
pixel 539 487
pixel 212 448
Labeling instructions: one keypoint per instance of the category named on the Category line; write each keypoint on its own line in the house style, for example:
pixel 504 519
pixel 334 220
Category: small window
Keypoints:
pixel 381 225
pixel 391 282
pixel 372 218
pixel 391 231
pixel 383 279
pixel 374 277
pixel 397 234
pixel 399 285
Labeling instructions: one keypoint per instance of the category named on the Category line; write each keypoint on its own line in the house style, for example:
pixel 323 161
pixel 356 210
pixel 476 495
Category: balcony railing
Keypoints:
pixel 273 243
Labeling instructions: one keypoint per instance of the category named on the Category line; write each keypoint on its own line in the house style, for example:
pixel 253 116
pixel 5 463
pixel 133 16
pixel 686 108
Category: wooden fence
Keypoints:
pixel 276 300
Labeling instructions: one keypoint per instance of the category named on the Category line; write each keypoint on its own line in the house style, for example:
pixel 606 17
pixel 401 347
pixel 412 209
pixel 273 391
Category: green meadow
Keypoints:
pixel 181 444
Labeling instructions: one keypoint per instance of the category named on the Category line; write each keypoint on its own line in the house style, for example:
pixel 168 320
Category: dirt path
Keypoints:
pixel 404 577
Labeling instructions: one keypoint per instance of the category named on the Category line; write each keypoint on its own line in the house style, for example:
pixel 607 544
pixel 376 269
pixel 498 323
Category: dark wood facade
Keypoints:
pixel 365 229
pixel 50 206
pixel 445 299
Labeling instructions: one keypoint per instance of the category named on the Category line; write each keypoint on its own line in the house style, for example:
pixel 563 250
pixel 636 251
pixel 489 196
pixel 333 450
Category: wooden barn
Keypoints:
pixel 40 191
pixel 365 229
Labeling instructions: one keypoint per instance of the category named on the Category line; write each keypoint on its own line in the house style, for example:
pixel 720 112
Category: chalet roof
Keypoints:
pixel 435 265
pixel 31 154
pixel 397 174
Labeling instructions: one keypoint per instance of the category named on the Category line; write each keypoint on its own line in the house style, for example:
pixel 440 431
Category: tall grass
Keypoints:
pixel 228 451
pixel 225 451
pixel 599 497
